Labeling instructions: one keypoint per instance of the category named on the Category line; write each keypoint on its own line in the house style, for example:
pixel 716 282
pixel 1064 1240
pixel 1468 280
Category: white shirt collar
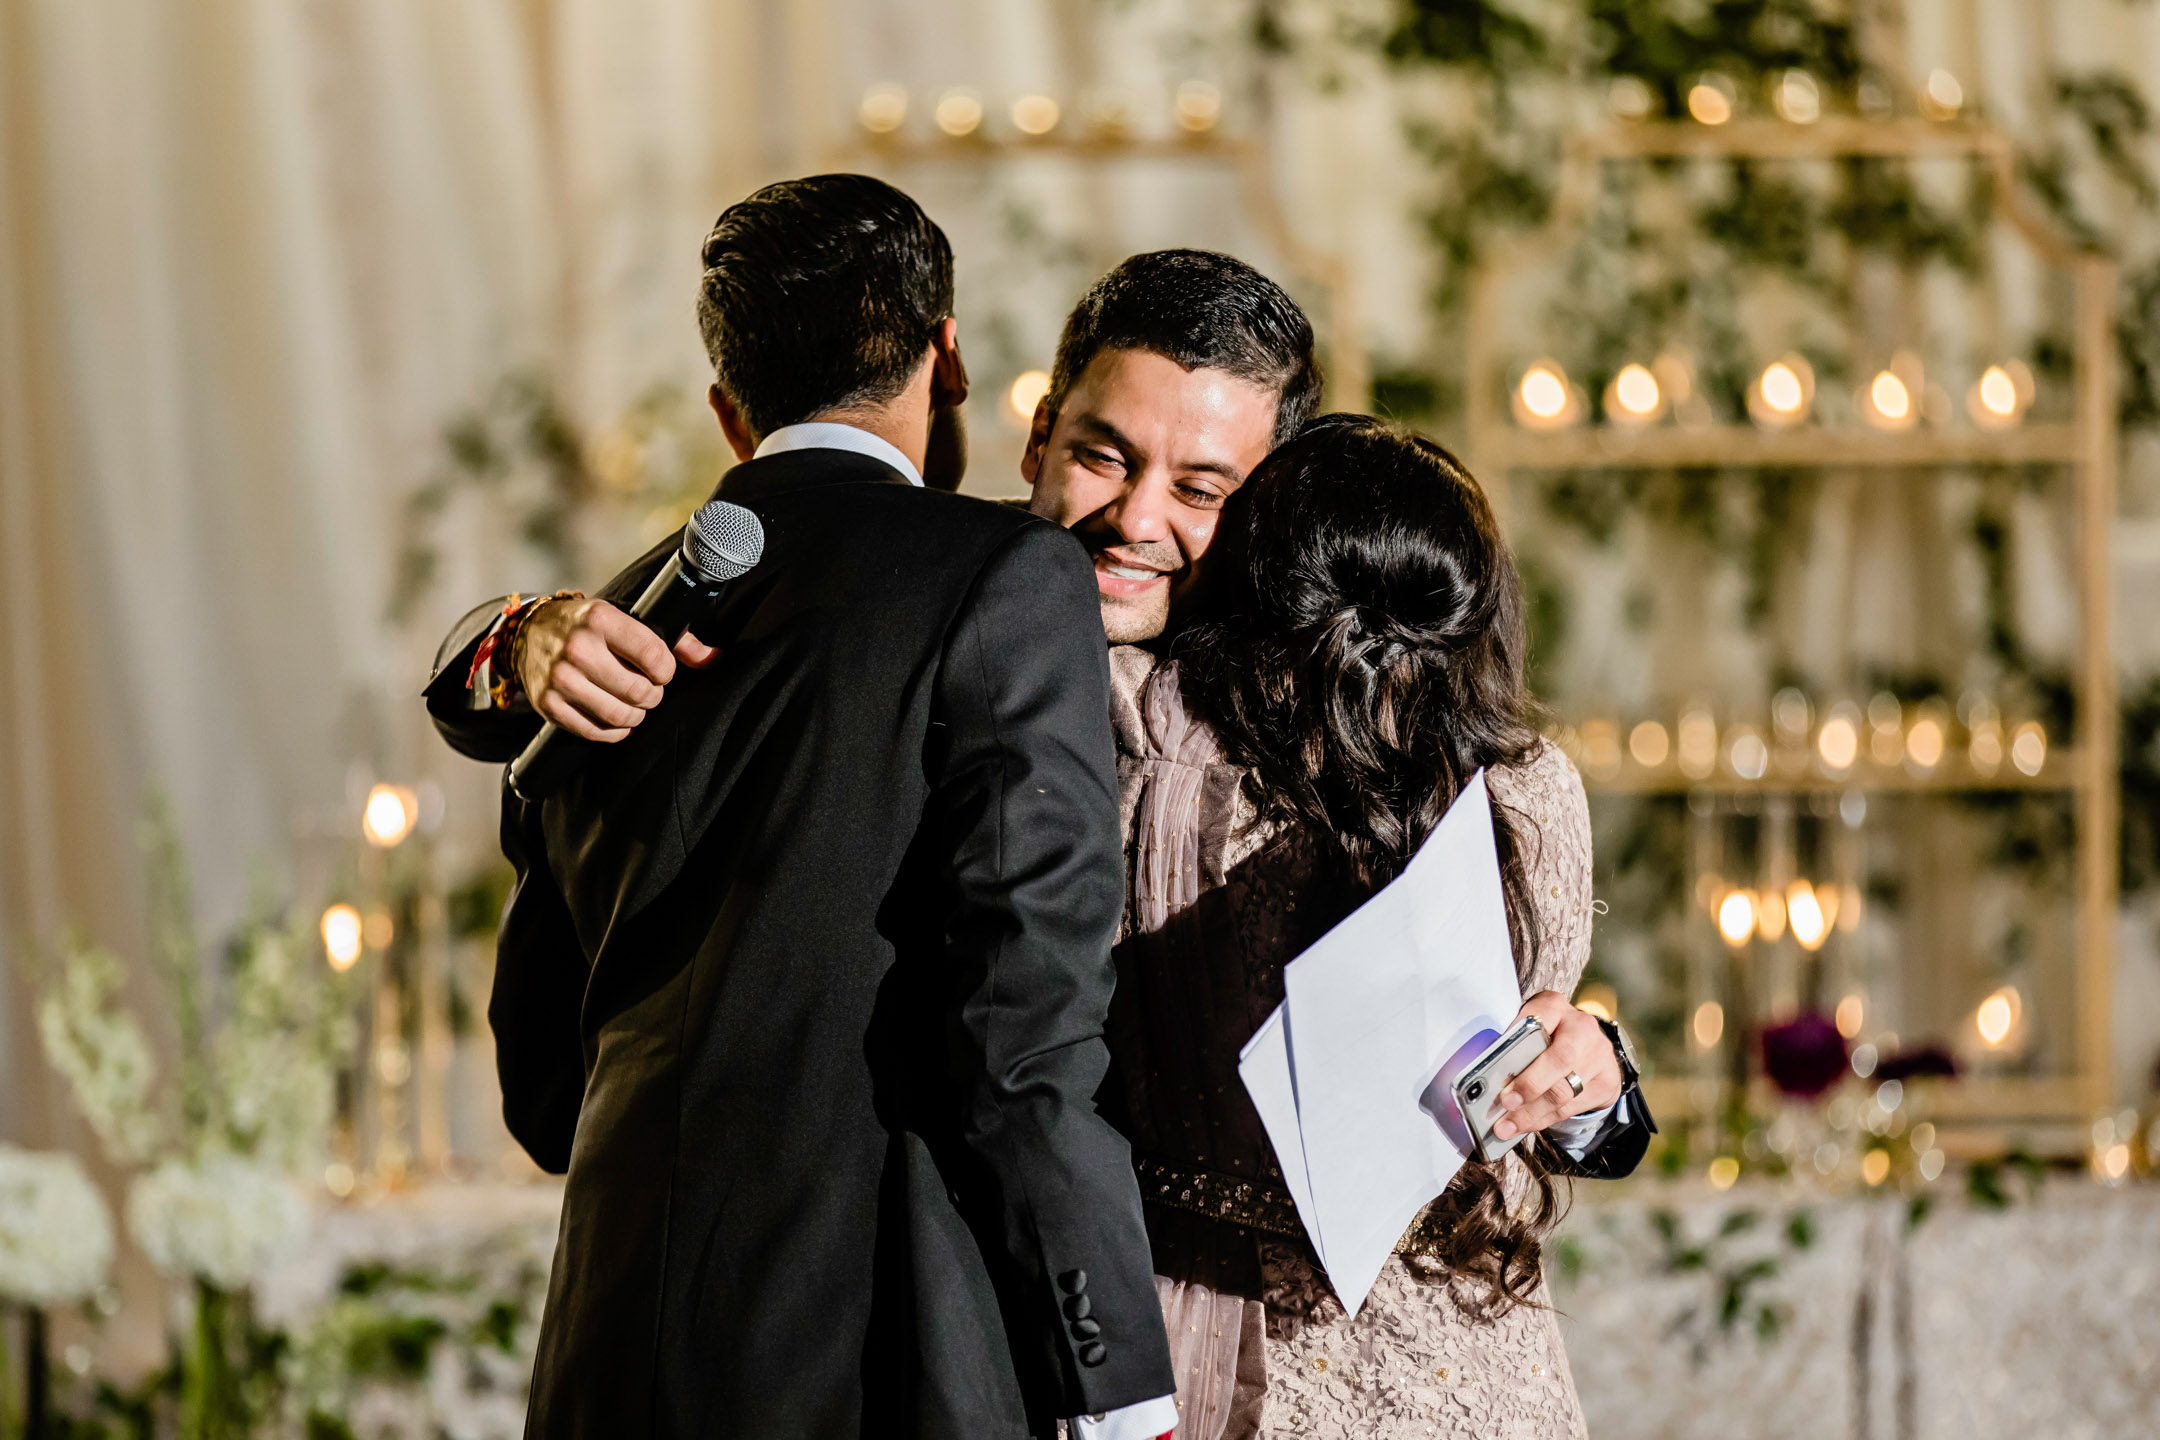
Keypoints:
pixel 832 435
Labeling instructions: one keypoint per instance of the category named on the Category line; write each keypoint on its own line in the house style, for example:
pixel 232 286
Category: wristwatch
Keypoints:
pixel 1624 1052
pixel 1624 1138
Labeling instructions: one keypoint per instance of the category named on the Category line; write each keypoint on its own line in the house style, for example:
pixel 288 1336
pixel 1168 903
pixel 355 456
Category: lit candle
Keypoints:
pixel 1543 398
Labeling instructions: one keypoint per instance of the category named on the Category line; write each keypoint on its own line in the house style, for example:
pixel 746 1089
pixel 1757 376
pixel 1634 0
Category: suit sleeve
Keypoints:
pixel 467 715
pixel 1025 794
pixel 1614 1149
pixel 537 1006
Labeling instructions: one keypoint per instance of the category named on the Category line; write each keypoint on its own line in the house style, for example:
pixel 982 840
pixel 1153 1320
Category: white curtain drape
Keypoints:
pixel 252 254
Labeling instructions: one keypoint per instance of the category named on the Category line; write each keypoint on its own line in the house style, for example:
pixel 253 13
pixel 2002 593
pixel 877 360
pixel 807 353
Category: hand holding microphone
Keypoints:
pixel 592 670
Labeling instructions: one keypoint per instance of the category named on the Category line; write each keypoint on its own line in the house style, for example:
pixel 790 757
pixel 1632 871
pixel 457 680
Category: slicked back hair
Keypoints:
pixel 1204 311
pixel 821 294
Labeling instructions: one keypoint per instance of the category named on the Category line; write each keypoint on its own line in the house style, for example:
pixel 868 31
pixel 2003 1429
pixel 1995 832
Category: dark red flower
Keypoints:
pixel 1805 1055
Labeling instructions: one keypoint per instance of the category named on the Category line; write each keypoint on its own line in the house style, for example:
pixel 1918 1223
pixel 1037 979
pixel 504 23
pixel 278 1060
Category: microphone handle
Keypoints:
pixel 669 606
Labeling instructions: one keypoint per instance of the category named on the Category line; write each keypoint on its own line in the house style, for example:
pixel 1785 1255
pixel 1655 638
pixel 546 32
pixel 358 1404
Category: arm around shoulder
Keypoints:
pixel 471 694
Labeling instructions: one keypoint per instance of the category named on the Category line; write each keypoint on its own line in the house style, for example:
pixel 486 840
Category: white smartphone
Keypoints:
pixel 1479 1087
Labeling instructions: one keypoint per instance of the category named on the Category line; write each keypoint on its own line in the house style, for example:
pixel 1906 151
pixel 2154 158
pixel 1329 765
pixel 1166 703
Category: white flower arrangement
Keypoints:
pixel 274 1064
pixel 250 1102
pixel 56 1234
pixel 103 1054
pixel 221 1217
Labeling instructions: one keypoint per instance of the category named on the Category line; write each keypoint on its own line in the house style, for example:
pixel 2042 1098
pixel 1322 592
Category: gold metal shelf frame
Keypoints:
pixel 2086 443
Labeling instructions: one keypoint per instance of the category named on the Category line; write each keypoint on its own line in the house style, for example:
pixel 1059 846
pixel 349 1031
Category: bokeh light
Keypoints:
pixel 1796 98
pixel 2028 748
pixel 389 815
pixel 1838 742
pixel 1887 404
pixel 1804 912
pixel 1995 1017
pixel 1782 394
pixel 1736 917
pixel 1601 748
pixel 884 108
pixel 1035 114
pixel 1698 744
pixel 1199 106
pixel 1543 399
pixel 1629 98
pixel 1748 755
pixel 341 936
pixel 1942 97
pixel 1634 397
pixel 1710 99
pixel 1649 744
pixel 1924 743
pixel 959 113
pixel 1708 1025
pixel 1770 915
pixel 1028 389
pixel 2000 397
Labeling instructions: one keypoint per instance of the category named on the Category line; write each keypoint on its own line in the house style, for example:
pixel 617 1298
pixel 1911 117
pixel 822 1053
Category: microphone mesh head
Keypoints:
pixel 723 540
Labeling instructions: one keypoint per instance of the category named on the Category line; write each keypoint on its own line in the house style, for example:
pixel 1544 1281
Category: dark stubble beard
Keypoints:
pixel 1127 620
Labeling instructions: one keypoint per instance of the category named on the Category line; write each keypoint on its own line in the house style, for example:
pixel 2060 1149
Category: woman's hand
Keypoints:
pixel 1541 1094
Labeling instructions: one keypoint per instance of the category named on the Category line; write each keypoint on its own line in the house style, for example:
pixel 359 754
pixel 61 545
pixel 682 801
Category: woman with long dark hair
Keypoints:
pixel 1357 659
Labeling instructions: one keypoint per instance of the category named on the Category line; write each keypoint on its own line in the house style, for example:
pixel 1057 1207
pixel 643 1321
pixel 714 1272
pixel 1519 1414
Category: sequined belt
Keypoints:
pixel 1235 1201
pixel 1257 1205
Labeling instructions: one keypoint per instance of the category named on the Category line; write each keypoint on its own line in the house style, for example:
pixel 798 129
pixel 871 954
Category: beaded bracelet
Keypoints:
pixel 495 662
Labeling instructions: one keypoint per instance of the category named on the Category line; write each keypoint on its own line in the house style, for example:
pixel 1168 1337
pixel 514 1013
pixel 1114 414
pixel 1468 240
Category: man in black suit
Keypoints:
pixel 803 981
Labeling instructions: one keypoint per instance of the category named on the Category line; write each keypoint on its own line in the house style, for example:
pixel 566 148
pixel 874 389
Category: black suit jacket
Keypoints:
pixel 804 982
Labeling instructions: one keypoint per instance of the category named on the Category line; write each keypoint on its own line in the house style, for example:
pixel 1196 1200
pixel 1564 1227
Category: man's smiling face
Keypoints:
pixel 1137 462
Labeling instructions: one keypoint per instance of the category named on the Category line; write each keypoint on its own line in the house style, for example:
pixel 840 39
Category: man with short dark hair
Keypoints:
pixel 803 982
pixel 1176 374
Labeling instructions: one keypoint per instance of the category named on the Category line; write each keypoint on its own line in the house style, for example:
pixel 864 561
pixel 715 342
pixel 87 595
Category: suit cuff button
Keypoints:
pixel 1093 1354
pixel 1072 1282
pixel 1085 1329
pixel 1076 1307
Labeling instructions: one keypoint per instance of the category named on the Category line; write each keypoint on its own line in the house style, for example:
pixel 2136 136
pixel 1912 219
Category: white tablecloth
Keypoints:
pixel 2035 1322
pixel 2042 1320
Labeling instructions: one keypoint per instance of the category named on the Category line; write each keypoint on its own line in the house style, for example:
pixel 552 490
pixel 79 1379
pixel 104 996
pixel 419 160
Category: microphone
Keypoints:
pixel 721 542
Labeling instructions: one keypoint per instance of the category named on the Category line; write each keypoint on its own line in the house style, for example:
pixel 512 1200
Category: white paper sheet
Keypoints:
pixel 1374 1011
pixel 1264 1066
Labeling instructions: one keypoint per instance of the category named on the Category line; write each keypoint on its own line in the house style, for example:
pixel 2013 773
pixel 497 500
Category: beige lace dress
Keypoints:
pixel 1216 907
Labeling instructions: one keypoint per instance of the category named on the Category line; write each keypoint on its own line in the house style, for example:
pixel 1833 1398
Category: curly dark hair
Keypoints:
pixel 1361 652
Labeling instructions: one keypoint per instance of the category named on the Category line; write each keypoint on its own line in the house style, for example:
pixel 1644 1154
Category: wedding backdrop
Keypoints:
pixel 1810 350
